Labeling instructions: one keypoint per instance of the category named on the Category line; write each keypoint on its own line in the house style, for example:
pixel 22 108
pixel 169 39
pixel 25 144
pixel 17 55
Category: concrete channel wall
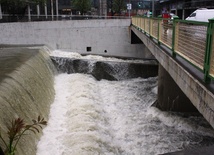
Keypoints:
pixel 109 37
pixel 200 96
pixel 26 92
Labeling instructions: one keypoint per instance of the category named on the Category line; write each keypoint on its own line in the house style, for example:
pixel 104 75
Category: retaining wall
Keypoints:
pixel 109 37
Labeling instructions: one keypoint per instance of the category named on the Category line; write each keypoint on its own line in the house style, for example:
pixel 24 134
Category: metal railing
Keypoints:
pixel 25 18
pixel 189 39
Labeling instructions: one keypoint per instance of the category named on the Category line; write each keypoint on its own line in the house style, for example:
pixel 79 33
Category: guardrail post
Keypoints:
pixel 159 24
pixel 173 36
pixel 150 27
pixel 209 40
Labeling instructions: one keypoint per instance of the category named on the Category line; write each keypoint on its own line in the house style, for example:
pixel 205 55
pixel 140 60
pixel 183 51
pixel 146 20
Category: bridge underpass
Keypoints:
pixel 181 86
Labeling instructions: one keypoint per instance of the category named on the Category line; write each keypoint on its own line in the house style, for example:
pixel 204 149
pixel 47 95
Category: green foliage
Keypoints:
pixel 82 5
pixel 110 6
pixel 18 7
pixel 118 6
pixel 14 7
pixel 22 1
pixel 17 129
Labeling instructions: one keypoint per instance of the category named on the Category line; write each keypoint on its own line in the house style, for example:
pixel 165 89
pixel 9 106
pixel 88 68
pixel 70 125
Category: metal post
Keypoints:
pixel 100 7
pixel 159 24
pixel 57 9
pixel 28 9
pixel 0 12
pixel 183 14
pixel 38 10
pixel 153 8
pixel 209 46
pixel 173 36
pixel 52 14
pixel 46 12
pixel 129 9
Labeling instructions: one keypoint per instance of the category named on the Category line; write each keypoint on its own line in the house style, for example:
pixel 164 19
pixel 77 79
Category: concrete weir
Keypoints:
pixel 26 91
pixel 109 70
pixel 27 84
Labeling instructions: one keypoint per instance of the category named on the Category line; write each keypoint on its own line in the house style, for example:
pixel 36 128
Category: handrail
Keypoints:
pixel 192 40
pixel 24 18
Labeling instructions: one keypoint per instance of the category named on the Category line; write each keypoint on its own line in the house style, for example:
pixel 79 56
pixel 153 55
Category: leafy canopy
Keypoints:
pixel 118 6
pixel 82 5
pixel 21 1
pixel 18 7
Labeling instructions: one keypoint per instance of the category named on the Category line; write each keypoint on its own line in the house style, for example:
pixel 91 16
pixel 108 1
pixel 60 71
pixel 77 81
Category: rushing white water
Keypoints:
pixel 90 117
pixel 60 53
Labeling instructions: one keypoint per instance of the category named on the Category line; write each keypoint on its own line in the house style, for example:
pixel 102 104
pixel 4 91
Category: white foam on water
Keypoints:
pixel 90 117
pixel 67 54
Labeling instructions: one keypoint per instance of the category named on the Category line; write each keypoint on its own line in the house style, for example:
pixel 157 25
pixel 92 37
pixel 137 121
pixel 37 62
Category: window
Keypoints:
pixel 88 49
pixel 193 15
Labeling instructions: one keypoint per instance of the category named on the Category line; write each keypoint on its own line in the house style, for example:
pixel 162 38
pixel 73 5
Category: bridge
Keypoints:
pixel 185 51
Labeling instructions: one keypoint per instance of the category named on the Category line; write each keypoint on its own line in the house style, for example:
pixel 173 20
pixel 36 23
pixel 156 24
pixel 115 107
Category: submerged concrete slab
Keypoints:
pixel 109 70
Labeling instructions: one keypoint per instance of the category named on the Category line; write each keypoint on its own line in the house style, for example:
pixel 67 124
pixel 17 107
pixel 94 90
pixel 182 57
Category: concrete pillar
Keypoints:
pixel 170 96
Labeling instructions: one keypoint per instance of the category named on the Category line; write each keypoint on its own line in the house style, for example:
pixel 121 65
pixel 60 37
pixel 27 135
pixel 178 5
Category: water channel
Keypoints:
pixel 103 117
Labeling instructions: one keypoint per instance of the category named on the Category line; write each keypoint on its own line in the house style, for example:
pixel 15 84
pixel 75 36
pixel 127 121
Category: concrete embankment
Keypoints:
pixel 26 91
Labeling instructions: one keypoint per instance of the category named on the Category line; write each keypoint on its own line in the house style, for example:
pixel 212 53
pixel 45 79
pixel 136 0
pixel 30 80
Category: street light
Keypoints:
pixel 153 8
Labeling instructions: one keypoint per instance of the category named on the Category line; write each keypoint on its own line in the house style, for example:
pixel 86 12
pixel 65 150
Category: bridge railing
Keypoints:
pixel 189 39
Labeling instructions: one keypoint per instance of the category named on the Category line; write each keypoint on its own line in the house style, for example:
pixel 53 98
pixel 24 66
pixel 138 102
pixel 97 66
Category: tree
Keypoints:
pixel 17 8
pixel 110 6
pixel 82 5
pixel 118 6
pixel 13 7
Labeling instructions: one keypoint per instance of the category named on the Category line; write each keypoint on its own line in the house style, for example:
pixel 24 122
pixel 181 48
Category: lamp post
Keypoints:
pixel 29 15
pixel 46 11
pixel 38 10
pixel 57 9
pixel 52 9
pixel 0 12
pixel 129 9
pixel 153 8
